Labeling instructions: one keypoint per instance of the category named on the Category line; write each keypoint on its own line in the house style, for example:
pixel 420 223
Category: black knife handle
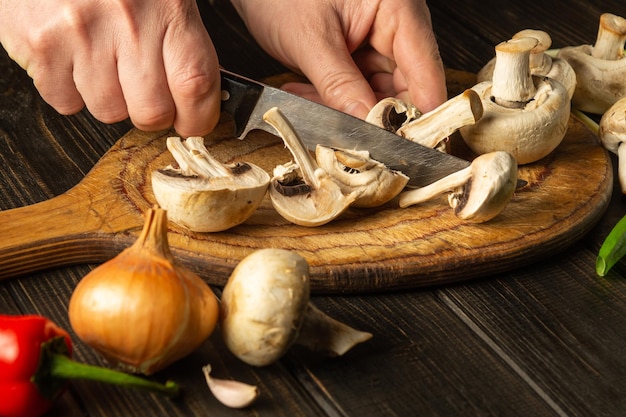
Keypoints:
pixel 239 97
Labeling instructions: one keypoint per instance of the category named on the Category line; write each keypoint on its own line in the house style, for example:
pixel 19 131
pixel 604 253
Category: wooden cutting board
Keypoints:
pixel 365 250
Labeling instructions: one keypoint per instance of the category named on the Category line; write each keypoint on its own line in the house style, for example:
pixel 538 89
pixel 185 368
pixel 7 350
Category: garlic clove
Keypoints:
pixel 231 393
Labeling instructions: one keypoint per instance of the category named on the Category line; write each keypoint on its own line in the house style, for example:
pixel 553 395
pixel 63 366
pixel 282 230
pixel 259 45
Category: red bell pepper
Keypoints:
pixel 35 367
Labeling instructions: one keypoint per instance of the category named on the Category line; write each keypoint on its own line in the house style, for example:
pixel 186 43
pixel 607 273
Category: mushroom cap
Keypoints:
pixel 391 113
pixel 612 126
pixel 528 134
pixel 491 187
pixel 263 304
pixel 599 82
pixel 210 204
pixel 356 171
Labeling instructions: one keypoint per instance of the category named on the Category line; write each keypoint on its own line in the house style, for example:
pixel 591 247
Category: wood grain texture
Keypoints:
pixel 364 250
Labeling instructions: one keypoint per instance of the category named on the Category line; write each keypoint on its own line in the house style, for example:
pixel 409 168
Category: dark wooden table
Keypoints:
pixel 545 340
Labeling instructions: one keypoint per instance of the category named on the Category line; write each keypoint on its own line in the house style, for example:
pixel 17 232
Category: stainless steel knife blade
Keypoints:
pixel 247 100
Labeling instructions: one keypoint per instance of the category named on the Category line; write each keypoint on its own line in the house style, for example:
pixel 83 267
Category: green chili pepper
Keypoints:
pixel 613 248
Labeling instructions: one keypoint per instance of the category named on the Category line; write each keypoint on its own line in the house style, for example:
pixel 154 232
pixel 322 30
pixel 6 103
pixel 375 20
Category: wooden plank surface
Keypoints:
pixel 544 340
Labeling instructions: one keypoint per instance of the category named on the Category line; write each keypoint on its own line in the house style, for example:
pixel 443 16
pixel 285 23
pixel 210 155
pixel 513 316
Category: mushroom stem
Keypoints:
pixel 275 118
pixel 446 184
pixel 321 333
pixel 539 61
pixel 513 85
pixel 611 37
pixel 193 158
pixel 436 125
pixel 477 193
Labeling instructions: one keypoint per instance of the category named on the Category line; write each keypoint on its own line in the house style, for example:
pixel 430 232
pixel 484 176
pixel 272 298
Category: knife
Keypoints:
pixel 246 101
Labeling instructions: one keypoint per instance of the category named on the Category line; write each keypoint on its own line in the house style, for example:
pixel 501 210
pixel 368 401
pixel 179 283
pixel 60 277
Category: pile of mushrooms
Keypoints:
pixel 541 63
pixel 204 195
pixel 524 115
pixel 600 69
pixel 477 193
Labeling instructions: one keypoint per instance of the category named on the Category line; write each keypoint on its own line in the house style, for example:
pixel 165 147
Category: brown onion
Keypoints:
pixel 140 310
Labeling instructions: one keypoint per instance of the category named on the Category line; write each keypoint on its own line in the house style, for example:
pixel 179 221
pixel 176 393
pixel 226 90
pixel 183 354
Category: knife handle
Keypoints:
pixel 239 97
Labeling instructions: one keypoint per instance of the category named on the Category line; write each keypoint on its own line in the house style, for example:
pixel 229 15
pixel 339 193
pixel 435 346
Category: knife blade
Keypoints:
pixel 246 101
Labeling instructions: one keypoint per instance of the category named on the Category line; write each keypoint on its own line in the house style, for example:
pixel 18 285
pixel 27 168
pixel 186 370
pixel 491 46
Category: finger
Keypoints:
pixel 337 78
pixel 420 69
pixel 145 89
pixel 304 90
pixel 192 72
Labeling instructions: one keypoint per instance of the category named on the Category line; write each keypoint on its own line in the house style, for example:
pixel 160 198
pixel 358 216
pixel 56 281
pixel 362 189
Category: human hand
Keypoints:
pixel 152 61
pixel 354 52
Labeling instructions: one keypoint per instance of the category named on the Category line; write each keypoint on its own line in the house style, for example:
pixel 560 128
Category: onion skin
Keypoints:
pixel 140 310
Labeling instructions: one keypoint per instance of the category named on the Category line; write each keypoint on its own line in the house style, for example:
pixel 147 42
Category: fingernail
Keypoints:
pixel 357 109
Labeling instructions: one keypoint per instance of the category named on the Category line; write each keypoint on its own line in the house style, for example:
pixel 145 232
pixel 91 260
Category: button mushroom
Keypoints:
pixel 540 62
pixel 204 195
pixel 524 115
pixel 356 172
pixel 302 192
pixel 601 68
pixel 478 193
pixel 612 133
pixel 265 309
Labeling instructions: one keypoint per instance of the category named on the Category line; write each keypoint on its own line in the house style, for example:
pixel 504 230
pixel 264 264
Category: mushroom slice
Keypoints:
pixel 302 192
pixel 356 171
pixel 600 69
pixel 478 193
pixel 541 64
pixel 204 195
pixel 392 113
pixel 433 127
pixel 524 115
pixel 612 133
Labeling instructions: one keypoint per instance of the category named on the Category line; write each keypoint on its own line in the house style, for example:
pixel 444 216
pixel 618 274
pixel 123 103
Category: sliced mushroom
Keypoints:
pixel 302 192
pixel 356 172
pixel 524 115
pixel 392 113
pixel 478 193
pixel 541 64
pixel 204 195
pixel 600 69
pixel 612 133
pixel 431 128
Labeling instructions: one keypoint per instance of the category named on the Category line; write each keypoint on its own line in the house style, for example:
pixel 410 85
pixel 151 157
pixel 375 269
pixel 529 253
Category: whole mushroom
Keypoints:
pixel 204 195
pixel 524 115
pixel 612 133
pixel 265 309
pixel 600 69
pixel 541 64
pixel 477 193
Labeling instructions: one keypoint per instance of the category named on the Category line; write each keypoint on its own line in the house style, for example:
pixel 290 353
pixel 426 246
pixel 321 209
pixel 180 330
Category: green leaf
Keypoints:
pixel 613 248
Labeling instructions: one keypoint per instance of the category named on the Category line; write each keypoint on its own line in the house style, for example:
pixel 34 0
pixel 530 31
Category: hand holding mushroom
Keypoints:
pixel 524 115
